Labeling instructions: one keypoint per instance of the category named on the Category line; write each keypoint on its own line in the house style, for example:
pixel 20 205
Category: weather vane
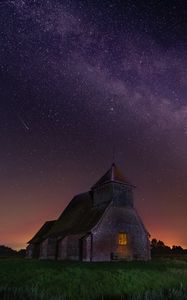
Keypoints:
pixel 113 154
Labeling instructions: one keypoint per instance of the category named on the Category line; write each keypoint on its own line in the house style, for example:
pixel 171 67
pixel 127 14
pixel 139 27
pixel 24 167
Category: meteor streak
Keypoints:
pixel 23 122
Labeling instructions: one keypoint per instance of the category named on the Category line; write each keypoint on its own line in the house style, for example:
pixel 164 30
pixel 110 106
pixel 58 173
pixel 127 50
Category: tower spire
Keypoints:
pixel 113 154
pixel 113 175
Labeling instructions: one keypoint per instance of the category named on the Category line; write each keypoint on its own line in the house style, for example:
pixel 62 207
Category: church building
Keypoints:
pixel 99 225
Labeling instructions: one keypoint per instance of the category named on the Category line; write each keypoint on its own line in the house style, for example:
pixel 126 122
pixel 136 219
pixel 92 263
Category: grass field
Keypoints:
pixel 22 279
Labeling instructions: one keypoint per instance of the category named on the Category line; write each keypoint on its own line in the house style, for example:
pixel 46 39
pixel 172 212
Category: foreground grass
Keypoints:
pixel 35 280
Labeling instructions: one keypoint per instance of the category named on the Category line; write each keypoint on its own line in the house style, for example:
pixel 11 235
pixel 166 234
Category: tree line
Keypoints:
pixel 158 248
pixel 6 252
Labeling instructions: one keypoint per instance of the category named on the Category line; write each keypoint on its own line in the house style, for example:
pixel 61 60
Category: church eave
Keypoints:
pixel 97 185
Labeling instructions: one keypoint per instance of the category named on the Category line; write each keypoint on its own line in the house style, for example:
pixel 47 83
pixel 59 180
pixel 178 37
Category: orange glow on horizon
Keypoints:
pixel 170 239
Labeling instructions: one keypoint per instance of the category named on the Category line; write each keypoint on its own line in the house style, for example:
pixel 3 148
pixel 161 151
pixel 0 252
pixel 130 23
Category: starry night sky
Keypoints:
pixel 78 78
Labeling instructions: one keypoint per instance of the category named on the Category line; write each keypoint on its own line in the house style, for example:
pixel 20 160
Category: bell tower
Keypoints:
pixel 113 187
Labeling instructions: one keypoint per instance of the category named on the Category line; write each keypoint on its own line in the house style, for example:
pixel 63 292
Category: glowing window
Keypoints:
pixel 122 238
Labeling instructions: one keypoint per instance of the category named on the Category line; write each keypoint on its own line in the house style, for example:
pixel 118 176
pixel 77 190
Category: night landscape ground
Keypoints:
pixel 22 279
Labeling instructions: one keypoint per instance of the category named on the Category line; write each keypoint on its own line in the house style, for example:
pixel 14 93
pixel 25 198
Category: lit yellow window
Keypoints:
pixel 122 238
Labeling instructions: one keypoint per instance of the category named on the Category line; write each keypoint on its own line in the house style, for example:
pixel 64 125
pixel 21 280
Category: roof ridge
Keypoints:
pixel 112 175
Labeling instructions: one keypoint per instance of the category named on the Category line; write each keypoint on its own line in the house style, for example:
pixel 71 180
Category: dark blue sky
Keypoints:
pixel 77 79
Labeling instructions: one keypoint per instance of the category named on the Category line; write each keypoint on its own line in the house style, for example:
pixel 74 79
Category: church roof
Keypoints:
pixel 80 216
pixel 42 231
pixel 112 175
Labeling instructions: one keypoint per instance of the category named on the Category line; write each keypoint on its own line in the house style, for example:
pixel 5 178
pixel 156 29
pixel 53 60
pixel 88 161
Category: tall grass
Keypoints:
pixel 49 280
pixel 30 294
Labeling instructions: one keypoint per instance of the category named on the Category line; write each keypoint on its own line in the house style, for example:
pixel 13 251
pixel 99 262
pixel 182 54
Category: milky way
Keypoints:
pixel 85 78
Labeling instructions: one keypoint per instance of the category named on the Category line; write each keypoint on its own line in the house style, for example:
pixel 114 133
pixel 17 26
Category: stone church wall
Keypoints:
pixel 48 249
pixel 105 236
pixel 62 249
pixel 29 251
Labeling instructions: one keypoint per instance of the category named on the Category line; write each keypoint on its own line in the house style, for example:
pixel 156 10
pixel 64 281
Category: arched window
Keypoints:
pixel 122 238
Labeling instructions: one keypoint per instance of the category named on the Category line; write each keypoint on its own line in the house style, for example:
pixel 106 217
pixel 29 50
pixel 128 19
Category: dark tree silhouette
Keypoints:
pixel 9 252
pixel 177 249
pixel 158 248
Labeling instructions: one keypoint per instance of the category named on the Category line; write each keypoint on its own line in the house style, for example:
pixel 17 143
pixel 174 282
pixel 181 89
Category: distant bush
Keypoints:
pixel 6 252
pixel 158 248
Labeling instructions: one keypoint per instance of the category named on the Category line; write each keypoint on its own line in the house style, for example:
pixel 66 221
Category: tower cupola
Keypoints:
pixel 113 186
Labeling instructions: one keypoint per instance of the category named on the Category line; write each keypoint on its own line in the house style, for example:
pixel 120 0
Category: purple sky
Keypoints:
pixel 78 80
